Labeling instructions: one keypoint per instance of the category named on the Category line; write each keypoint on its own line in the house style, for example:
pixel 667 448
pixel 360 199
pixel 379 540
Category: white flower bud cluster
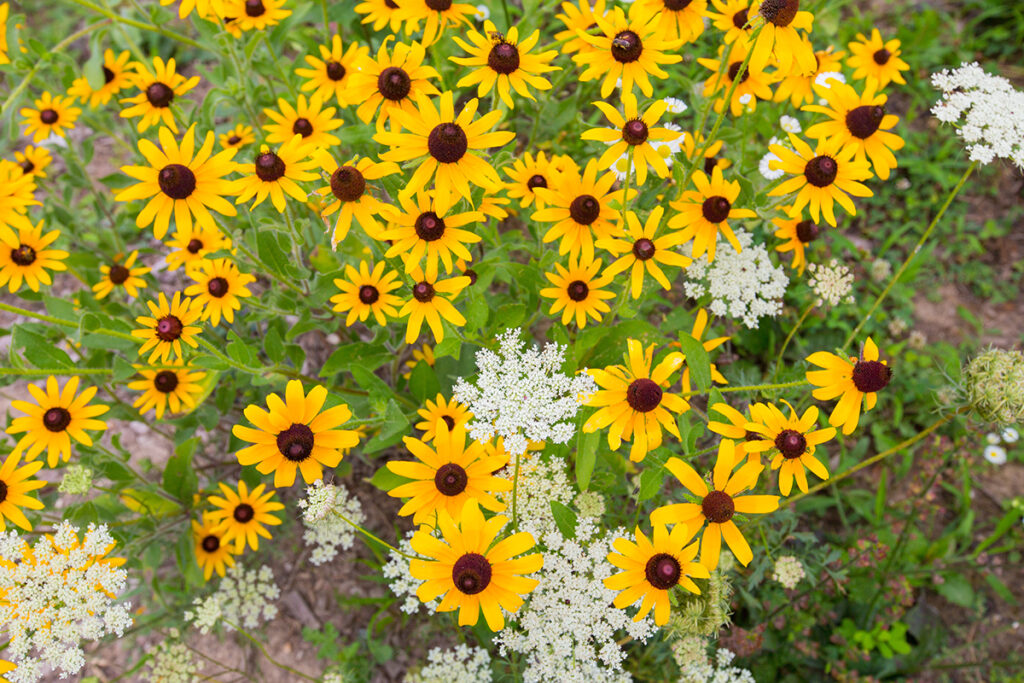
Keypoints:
pixel 721 671
pixel 323 510
pixel 831 283
pixel 987 110
pixel 77 480
pixel 401 582
pixel 462 664
pixel 171 662
pixel 540 482
pixel 745 286
pixel 56 594
pixel 788 571
pixel 244 597
pixel 568 629
pixel 590 504
pixel 522 394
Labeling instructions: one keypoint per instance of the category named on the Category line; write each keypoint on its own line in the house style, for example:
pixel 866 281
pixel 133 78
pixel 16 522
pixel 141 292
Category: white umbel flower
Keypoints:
pixel 171 662
pixel 324 511
pixel 721 671
pixel 788 571
pixel 244 597
pixel 831 283
pixel 522 395
pixel 540 482
pixel 401 582
pixel 461 664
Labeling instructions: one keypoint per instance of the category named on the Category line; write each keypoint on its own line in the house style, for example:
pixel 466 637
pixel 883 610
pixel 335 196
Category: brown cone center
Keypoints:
pixel 626 47
pixel 716 209
pixel 870 376
pixel 585 209
pixel 643 395
pixel 48 116
pixel 807 231
pixel 821 171
pixel 780 12
pixel 423 292
pixel 335 71
pixel 663 571
pixel 863 121
pixel 244 513
pixel 791 443
pixel 303 127
pixel 394 84
pixel 450 479
pixel 429 226
pixel 577 290
pixel 503 58
pixel 471 573
pixel 165 381
pixel 211 544
pixel 269 167
pixel 56 419
pixel 635 132
pixel 296 442
pixel 368 294
pixel 447 143
pixel 176 181
pixel 118 274
pixel 168 328
pixel 348 183
pixel 643 249
pixel 24 255
pixel 159 95
pixel 718 507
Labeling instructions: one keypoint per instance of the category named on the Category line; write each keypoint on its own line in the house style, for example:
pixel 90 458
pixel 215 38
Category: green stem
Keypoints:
pixel 374 537
pixel 789 337
pixel 515 492
pixel 185 40
pixel 277 65
pixel 263 650
pixel 751 387
pixel 246 100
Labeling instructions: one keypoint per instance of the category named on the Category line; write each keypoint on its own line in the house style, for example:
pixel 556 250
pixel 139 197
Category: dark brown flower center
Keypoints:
pixel 718 507
pixel 176 181
pixel 676 5
pixel 716 209
pixel 394 84
pixel 254 8
pixel 643 395
pixel 536 180
pixel 27 166
pixel 391 4
pixel 471 573
pixel 194 246
pixel 863 121
pixel 585 209
pixel 577 290
pixel 635 132
pixel 643 249
pixel 821 171
pixel 217 287
pixel 503 58
pixel 348 183
pixel 244 513
pixel 24 255
pixel 471 274
pixel 3 491
pixel 807 231
pixel 447 143
pixel 108 75
pixel 296 442
pixel 269 167
pixel 663 571
pixel 335 71
pixel 118 274
pixel 423 292
pixel 48 116
pixel 739 20
pixel 450 479
pixel 870 376
pixel 168 328
pixel 159 94
pixel 439 5
pixel 368 294
pixel 791 443
pixel 211 544
pixel 234 140
pixel 881 57
pixel 626 47
pixel 429 226
pixel 709 164
pixel 165 381
pixel 734 70
pixel 449 421
pixel 780 12
pixel 56 419
pixel 303 127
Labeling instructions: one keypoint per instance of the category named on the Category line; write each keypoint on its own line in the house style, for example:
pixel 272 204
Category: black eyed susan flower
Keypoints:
pixel 716 506
pixel 631 47
pixel 505 62
pixel 253 15
pixel 364 292
pixel 705 212
pixel 526 174
pixel 577 18
pixel 17 190
pixel 213 553
pixel 238 137
pixel 57 417
pixel 329 75
pixel 580 206
pixel 733 426
pixel 29 259
pixel 121 275
pixel 733 18
pixel 159 88
pixel 633 133
pixel 680 19
pixel 780 42
pixel 793 440
pixel 117 75
pixel 446 143
pixel 218 288
pixel 653 567
pixel 201 7
pixel 452 413
pixel 860 122
pixel 424 354
pixel 856 381
pixel 799 88
pixel 309 119
pixel 577 291
pixel 437 15
pixel 244 515
pixel 380 13
pixel 874 58
pixel 798 233
pixel 431 301
pixel 348 194
pixel 51 116
pixel 275 174
pixel 169 388
pixel 754 83
pixel 472 572
pixel 391 82
pixel 422 231
pixel 188 248
pixel 633 401
pixel 712 155
pixel 642 252
pixel 821 178
pixel 170 325
pixel 295 434
pixel 33 161
pixel 181 182
pixel 15 485
pixel 445 475
pixel 700 324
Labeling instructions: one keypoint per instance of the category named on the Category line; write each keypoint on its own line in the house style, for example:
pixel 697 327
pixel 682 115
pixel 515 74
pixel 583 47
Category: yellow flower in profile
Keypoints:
pixel 174 388
pixel 680 19
pixel 821 178
pixel 733 18
pixel 798 233
pixel 364 292
pixel 780 42
pixel 653 567
pixel 33 161
pixel 793 439
pixel 874 58
pixel 244 515
pixel 170 325
pixel 799 88
pixel 330 74
pixel 446 475
pixel 422 232
pixel 218 288
pixel 391 83
pixel 238 137
pixel 704 213
pixel 380 13
pixel 437 15
pixel 348 194
pixel 446 143
pixel 29 259
pixel 17 484
pixel 275 174
pixel 309 119
pixel 527 173
pixel 473 572
pixel 51 116
pixel 159 88
pixel 121 275
pixel 856 381
pixel 716 507
pixel 452 413
pixel 504 62
pixel 629 47
pixel 633 134
pixel 642 252
pixel 578 18
pixel 633 401
pixel 181 182
pixel 117 75
pixel 424 354
pixel 295 434
pixel 754 83
pixel 431 301
pixel 57 417
pixel 213 553
pixel 577 291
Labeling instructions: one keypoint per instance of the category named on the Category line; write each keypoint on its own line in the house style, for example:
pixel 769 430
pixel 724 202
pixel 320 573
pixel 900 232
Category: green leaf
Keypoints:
pixel 957 589
pixel 651 480
pixel 93 70
pixel 274 345
pixel 374 385
pixel 240 352
pixel 423 383
pixel 565 519
pixel 697 361
pixel 586 457
pixel 385 479
pixel 179 478
pixel 122 369
pixel 476 314
pixel 1000 588
pixel 38 350
pixel 395 425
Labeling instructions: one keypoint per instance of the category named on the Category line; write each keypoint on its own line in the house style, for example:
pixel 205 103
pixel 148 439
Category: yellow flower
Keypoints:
pixel 17 484
pixel 437 15
pixel 121 275
pixel 700 323
pixel 424 231
pixel 29 258
pixel 311 120
pixel 735 429
pixel 218 288
pixel 213 553
pixel 33 161
pixel 754 82
pixel 330 75
pixel 380 13
pixel 176 388
pixel 580 17
pixel 527 173
pixel 190 247
pixel 252 15
pixel 117 76
pixel 275 174
pixel 874 58
pixel 16 195
pixel 642 252
pixel 798 233
pixel 452 413
pixel 244 515
pixel 364 292
pixel 238 137
pixel 51 116
pixel 779 41
pixel 201 7
pixel 431 300
pixel 793 441
pixel 711 159
pixel 505 62
pixel 424 354
pixel 680 19
pixel 856 381
pixel 799 88
pixel 392 82
pixel 159 88
pixel 54 419
pixel 705 212
pixel 170 325
pixel 633 134
pixel 350 196
pixel 578 291
pixel 733 17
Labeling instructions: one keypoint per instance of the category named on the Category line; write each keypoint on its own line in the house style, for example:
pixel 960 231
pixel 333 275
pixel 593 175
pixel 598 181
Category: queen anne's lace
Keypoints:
pixel 721 671
pixel 401 582
pixel 323 510
pixel 244 597
pixel 461 664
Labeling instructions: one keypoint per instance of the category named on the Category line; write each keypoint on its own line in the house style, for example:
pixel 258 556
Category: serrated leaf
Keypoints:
pixel 565 519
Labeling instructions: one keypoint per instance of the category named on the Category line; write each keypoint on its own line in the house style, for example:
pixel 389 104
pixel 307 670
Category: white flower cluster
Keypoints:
pixel 56 594
pixel 540 482
pixel 590 504
pixel 992 112
pixel 244 597
pixel 77 480
pixel 788 571
pixel 832 283
pixel 461 664
pixel 171 662
pixel 743 285
pixel 401 582
pixel 522 394
pixel 721 671
pixel 567 629
pixel 323 510
pixel 995 453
